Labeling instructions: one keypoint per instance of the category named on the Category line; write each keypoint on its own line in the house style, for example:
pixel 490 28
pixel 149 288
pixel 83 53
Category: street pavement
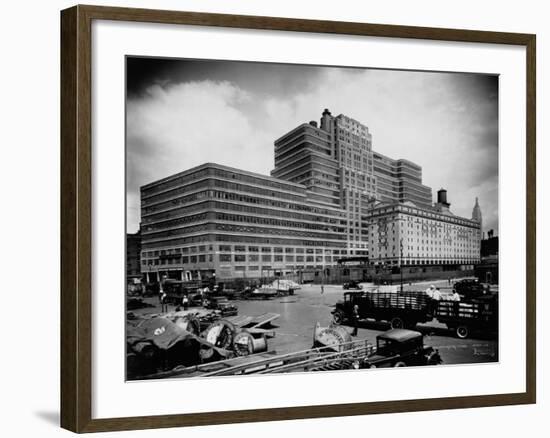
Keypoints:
pixel 302 311
pixel 299 313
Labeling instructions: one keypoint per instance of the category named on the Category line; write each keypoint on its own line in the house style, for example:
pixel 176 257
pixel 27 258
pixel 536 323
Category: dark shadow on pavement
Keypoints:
pixel 440 331
pixel 374 325
pixel 426 330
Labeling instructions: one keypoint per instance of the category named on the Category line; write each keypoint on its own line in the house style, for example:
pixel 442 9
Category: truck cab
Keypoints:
pixel 344 307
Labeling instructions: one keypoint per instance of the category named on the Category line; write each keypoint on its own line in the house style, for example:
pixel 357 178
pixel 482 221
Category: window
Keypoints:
pixel 240 258
pixel 225 257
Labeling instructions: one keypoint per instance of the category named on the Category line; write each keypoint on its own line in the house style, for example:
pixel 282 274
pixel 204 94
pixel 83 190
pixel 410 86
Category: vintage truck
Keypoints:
pixel 175 290
pixel 401 310
pixel 407 309
pixel 222 304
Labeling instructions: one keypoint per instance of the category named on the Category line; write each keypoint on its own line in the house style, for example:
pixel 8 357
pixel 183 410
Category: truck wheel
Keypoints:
pixel 399 364
pixel 397 323
pixel 462 331
pixel 338 317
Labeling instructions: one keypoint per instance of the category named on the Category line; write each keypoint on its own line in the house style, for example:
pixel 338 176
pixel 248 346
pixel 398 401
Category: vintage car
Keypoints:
pixel 470 288
pixel 222 304
pixel 196 300
pixel 400 348
pixel 351 285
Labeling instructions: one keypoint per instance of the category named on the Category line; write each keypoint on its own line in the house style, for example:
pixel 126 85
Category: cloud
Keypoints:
pixel 175 127
pixel 444 122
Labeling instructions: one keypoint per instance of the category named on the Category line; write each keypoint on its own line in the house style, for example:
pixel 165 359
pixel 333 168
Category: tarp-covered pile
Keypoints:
pixel 160 344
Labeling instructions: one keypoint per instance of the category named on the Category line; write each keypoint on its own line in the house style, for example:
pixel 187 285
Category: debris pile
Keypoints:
pixel 158 343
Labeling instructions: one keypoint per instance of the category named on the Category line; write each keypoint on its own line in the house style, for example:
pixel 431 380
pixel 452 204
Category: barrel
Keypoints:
pixel 245 344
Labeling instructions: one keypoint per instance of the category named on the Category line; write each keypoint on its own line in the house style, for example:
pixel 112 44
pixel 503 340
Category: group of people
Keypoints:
pixel 435 294
pixel 164 302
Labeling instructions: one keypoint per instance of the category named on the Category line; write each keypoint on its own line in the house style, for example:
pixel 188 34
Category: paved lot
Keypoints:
pixel 302 311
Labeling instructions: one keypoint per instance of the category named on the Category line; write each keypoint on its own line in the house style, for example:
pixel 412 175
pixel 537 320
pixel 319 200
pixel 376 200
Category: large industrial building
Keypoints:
pixel 213 219
pixel 329 197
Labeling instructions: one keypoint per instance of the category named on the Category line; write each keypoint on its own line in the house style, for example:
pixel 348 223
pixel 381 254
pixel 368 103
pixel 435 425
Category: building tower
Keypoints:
pixel 442 205
pixel 476 214
pixel 335 161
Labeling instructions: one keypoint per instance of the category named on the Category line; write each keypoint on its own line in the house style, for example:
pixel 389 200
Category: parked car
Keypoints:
pixel 400 348
pixel 196 300
pixel 353 284
pixel 470 288
pixel 222 304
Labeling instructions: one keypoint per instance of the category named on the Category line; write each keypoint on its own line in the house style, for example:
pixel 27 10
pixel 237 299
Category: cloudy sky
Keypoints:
pixel 182 113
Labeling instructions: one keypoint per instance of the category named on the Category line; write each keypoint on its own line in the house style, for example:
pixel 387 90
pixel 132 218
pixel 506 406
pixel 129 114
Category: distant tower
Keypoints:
pixel 476 214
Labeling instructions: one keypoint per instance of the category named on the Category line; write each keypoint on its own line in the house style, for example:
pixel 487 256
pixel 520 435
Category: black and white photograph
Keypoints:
pixel 285 218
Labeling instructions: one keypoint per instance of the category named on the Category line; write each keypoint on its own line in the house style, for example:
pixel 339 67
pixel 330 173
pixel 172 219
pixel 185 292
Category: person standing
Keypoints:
pixel 355 320
pixel 185 302
pixel 163 302
pixel 456 303
pixel 430 291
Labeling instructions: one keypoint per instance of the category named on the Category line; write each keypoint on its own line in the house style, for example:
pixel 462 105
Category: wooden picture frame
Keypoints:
pixel 76 217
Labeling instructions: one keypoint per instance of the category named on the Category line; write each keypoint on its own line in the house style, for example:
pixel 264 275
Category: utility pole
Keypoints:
pixel 401 261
